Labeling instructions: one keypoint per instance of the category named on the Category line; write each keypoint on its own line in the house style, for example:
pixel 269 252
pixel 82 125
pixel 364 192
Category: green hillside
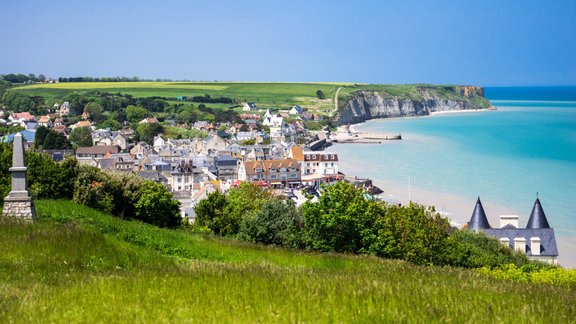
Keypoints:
pixel 80 265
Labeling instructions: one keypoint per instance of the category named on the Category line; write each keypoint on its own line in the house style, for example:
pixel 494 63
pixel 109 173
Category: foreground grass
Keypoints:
pixel 80 265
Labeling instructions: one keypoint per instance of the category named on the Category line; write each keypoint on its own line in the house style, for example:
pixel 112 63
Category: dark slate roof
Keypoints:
pixel 537 217
pixel 547 238
pixel 478 219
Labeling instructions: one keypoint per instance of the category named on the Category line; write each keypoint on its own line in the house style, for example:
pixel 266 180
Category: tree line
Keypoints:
pixel 123 195
pixel 344 219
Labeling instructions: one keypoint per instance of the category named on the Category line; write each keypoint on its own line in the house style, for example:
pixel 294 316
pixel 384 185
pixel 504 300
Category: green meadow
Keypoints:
pixel 80 265
pixel 279 94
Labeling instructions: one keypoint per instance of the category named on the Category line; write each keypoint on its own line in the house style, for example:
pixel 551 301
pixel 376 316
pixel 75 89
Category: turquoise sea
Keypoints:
pixel 507 157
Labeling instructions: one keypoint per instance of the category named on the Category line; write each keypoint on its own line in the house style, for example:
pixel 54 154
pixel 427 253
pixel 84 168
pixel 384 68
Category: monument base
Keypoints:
pixel 21 208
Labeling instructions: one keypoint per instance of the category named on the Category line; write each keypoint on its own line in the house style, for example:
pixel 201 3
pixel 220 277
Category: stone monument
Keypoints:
pixel 19 203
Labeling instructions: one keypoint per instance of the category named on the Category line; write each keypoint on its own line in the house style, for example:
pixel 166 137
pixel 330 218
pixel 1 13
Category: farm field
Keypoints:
pixel 268 94
pixel 80 265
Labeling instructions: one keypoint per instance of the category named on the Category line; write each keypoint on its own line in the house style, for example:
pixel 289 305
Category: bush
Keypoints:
pixel 470 249
pixel 278 222
pixel 339 220
pixel 210 213
pixel 413 233
pixel 126 196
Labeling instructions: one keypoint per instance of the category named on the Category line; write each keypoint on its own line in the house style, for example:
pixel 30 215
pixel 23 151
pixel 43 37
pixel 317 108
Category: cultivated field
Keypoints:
pixel 79 265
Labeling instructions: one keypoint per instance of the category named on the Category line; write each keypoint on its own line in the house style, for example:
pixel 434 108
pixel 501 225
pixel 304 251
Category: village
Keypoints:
pixel 287 158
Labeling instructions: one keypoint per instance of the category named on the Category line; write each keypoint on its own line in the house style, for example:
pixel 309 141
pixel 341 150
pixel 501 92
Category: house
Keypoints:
pixel 245 136
pixel 537 239
pixel 141 150
pixel 182 176
pixel 296 110
pixel 316 166
pixel 96 152
pixel 267 114
pixel 277 173
pixel 274 121
pixel 82 123
pixel 227 167
pixel 149 120
pixel 159 143
pixel 20 118
pixel 65 109
pixel 45 121
pixel 210 144
pixel 120 141
pixel 249 106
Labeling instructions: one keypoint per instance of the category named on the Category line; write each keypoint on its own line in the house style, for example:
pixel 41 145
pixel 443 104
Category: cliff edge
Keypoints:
pixel 369 102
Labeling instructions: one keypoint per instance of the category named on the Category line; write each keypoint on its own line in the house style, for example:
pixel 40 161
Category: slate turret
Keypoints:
pixel 478 221
pixel 537 217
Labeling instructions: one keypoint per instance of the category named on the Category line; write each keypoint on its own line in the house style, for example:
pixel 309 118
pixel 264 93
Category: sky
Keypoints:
pixel 488 43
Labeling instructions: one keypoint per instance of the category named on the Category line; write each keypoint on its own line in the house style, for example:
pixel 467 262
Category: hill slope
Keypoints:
pixel 77 264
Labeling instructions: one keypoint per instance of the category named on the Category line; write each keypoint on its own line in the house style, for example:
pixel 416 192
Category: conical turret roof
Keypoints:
pixel 537 217
pixel 478 220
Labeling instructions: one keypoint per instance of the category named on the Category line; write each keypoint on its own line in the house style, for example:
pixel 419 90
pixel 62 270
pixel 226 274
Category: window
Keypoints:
pixel 283 170
pixel 307 157
pixel 273 170
pixel 332 157
pixel 292 169
pixel 273 176
pixel 314 157
pixel 258 169
pixel 293 175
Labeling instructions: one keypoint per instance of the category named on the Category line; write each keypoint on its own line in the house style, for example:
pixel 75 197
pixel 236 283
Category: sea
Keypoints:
pixel 507 157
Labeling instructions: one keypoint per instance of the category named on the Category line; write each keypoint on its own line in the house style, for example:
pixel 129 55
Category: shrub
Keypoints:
pixel 470 249
pixel 278 222
pixel 339 220
pixel 413 233
pixel 210 213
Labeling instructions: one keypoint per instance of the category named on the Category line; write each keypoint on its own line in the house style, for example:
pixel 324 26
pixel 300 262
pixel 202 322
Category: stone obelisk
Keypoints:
pixel 19 203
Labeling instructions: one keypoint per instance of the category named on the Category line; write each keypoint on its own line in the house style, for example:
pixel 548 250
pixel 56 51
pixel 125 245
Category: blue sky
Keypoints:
pixel 450 42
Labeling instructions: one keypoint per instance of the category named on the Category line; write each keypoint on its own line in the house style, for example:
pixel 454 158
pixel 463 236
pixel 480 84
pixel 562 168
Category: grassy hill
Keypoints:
pixel 80 265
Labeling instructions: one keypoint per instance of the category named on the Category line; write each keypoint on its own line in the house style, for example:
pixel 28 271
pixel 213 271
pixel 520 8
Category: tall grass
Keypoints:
pixel 79 265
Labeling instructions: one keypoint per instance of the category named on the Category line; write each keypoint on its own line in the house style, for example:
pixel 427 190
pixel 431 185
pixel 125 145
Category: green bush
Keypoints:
pixel 278 222
pixel 470 249
pixel 126 196
pixel 339 220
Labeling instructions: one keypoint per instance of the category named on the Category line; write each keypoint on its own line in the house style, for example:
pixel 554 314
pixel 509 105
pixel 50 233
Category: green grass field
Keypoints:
pixel 266 94
pixel 79 265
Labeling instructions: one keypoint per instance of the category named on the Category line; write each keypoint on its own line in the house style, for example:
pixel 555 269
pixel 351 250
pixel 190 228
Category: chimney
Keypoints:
pixel 508 220
pixel 520 244
pixel 535 245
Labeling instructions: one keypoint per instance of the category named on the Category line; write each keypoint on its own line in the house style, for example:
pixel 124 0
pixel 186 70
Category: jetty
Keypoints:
pixel 363 137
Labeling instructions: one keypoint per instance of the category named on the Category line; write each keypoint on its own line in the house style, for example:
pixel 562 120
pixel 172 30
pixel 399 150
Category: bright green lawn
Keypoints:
pixel 78 265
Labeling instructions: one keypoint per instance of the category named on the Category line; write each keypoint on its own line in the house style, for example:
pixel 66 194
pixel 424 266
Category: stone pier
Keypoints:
pixel 19 203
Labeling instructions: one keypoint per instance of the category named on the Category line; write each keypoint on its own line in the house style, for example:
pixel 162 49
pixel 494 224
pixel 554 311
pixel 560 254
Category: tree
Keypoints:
pixel 210 212
pixel 340 220
pixel 245 199
pixel 95 110
pixel 277 222
pixel 111 124
pixel 81 136
pixel 157 207
pixel 50 179
pixel 135 114
pixel 320 94
pixel 413 233
pixel 148 131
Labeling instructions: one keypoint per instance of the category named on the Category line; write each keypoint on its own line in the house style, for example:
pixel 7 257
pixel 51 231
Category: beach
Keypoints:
pixel 448 160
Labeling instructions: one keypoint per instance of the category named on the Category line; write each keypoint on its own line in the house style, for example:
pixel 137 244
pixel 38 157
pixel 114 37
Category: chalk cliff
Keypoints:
pixel 368 104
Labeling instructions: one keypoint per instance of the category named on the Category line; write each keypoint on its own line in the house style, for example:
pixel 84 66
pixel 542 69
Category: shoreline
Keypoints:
pixel 455 206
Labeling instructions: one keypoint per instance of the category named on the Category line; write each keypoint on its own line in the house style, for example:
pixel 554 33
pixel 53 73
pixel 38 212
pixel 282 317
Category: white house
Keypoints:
pixel 296 110
pixel 249 106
